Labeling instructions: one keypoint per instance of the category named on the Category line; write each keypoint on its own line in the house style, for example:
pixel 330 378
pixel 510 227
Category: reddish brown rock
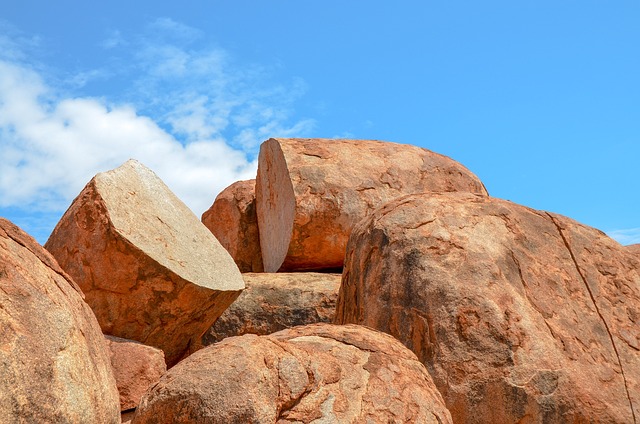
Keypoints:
pixel 316 373
pixel 273 302
pixel 311 192
pixel 54 365
pixel 519 315
pixel 232 219
pixel 634 248
pixel 150 270
pixel 136 367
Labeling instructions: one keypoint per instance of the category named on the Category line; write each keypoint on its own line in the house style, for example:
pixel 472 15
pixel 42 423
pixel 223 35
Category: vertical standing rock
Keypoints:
pixel 232 219
pixel 311 192
pixel 519 315
pixel 54 365
pixel 150 270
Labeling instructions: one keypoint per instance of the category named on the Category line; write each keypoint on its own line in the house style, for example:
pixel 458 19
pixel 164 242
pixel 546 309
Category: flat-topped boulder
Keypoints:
pixel 150 270
pixel 274 301
pixel 519 315
pixel 311 192
pixel 232 219
pixel 316 373
pixel 54 364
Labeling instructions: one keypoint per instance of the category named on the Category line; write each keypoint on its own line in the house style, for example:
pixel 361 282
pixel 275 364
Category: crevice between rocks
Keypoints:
pixel 593 299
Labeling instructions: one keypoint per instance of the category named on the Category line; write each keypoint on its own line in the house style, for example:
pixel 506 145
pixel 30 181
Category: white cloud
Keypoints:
pixel 51 149
pixel 187 114
pixel 626 237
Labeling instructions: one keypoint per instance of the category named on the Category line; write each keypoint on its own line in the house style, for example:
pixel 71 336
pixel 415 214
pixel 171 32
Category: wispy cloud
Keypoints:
pixel 185 111
pixel 627 236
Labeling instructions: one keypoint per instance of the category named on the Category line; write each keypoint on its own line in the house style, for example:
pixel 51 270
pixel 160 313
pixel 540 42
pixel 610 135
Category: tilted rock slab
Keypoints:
pixel 311 192
pixel 136 367
pixel 272 302
pixel 232 219
pixel 54 365
pixel 150 270
pixel 519 315
pixel 332 374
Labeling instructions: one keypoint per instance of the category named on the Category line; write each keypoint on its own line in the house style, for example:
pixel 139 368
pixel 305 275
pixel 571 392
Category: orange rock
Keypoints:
pixel 150 270
pixel 232 219
pixel 314 373
pixel 634 248
pixel 272 302
pixel 311 192
pixel 54 365
pixel 519 315
pixel 136 368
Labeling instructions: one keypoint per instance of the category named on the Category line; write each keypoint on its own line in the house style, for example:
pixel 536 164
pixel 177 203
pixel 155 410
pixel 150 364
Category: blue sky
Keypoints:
pixel 539 99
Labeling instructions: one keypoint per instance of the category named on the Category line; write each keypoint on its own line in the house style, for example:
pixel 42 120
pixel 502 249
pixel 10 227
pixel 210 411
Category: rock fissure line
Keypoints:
pixel 593 299
pixel 526 294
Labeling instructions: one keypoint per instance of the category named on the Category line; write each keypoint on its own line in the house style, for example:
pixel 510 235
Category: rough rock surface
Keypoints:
pixel 136 367
pixel 150 270
pixel 232 219
pixel 54 365
pixel 273 302
pixel 321 372
pixel 311 192
pixel 634 248
pixel 519 315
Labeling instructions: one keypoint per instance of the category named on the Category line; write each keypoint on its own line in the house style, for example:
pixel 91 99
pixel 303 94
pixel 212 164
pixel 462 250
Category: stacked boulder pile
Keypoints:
pixel 350 281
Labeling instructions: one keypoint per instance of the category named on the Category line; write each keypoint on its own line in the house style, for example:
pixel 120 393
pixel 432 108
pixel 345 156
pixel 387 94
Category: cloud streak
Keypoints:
pixel 626 236
pixel 188 114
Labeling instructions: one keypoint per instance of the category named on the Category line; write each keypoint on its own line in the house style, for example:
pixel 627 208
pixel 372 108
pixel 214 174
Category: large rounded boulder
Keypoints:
pixel 233 221
pixel 315 373
pixel 519 315
pixel 311 192
pixel 54 364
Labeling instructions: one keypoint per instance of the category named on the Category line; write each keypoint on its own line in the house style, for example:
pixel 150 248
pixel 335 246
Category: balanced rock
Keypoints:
pixel 316 373
pixel 150 270
pixel 311 192
pixel 232 219
pixel 272 302
pixel 54 365
pixel 136 368
pixel 519 315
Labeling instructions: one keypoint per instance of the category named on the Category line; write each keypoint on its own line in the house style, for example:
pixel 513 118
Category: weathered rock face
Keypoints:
pixel 136 367
pixel 273 302
pixel 519 315
pixel 150 270
pixel 634 248
pixel 311 192
pixel 232 219
pixel 54 365
pixel 337 374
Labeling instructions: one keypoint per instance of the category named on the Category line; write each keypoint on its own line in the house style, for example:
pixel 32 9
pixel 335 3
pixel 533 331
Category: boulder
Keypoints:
pixel 311 192
pixel 519 315
pixel 273 302
pixel 316 373
pixel 54 365
pixel 634 248
pixel 136 367
pixel 232 219
pixel 150 270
